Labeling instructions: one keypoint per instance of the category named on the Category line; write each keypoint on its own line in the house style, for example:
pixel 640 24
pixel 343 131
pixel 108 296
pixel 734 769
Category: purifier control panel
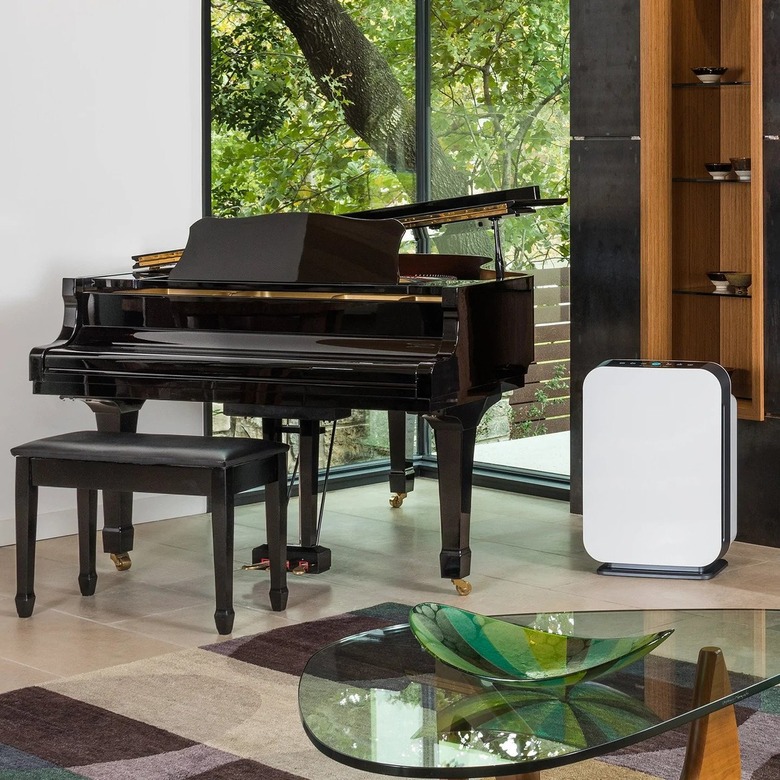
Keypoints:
pixel 655 363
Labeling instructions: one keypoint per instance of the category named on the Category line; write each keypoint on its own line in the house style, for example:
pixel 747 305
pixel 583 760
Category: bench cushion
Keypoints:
pixel 161 449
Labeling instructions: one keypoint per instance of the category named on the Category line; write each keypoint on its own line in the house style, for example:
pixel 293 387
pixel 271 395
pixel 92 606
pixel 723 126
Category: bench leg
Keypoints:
pixel 222 510
pixel 86 501
pixel 26 530
pixel 276 534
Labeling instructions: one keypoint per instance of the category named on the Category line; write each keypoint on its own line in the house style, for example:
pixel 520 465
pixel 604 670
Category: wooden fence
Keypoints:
pixel 542 406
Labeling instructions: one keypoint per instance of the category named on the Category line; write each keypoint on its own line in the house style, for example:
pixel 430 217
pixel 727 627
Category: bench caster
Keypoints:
pixel 121 561
pixel 462 586
pixel 397 500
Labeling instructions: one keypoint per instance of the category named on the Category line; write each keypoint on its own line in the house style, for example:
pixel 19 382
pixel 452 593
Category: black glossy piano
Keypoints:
pixel 307 316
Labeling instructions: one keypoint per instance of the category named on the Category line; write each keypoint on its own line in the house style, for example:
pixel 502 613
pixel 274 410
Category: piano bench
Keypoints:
pixel 216 467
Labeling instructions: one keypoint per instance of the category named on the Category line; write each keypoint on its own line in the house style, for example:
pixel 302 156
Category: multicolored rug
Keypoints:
pixel 229 711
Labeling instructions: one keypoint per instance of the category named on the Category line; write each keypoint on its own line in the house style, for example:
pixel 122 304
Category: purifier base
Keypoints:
pixel 664 572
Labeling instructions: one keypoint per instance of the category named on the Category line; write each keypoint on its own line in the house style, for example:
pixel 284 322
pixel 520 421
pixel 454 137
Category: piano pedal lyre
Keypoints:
pixel 397 499
pixel 462 586
pixel 121 561
pixel 300 560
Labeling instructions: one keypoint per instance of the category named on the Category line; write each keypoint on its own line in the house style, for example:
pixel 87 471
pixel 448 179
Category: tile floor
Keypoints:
pixel 527 556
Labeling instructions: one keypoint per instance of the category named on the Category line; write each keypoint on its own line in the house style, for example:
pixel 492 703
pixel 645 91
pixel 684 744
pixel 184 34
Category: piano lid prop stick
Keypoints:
pixel 325 480
pixel 499 263
pixel 293 476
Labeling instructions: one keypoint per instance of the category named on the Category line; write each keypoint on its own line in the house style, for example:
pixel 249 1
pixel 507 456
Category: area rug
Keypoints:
pixel 229 711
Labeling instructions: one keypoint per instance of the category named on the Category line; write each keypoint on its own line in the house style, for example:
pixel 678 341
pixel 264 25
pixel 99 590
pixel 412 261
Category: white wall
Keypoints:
pixel 100 137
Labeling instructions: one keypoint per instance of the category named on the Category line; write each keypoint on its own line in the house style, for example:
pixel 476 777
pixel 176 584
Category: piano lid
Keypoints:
pixel 483 205
pixel 359 248
pixel 291 248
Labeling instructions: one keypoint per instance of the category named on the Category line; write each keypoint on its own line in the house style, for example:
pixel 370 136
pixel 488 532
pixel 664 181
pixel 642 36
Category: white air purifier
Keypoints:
pixel 659 460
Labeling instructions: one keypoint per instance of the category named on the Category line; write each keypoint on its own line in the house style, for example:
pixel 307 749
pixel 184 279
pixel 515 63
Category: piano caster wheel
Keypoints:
pixel 299 571
pixel 397 500
pixel 462 586
pixel 121 561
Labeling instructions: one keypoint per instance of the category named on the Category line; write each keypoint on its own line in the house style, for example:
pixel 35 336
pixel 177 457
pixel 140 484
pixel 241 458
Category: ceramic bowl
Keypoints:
pixel 709 75
pixel 739 281
pixel 718 170
pixel 741 166
pixel 718 278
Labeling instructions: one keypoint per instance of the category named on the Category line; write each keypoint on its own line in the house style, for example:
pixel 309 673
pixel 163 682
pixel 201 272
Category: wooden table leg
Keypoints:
pixel 713 742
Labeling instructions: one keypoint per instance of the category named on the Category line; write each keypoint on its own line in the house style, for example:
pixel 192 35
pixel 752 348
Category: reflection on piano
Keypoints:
pixel 306 316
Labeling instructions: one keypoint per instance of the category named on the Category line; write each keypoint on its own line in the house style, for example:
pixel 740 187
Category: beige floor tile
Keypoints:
pixel 194 626
pixel 62 645
pixel 118 596
pixel 14 675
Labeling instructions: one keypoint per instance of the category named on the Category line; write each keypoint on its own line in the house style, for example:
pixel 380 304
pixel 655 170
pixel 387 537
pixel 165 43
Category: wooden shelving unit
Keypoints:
pixel 691 224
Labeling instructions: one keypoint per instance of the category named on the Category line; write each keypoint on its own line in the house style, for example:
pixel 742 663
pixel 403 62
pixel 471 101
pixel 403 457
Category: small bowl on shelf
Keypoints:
pixel 718 278
pixel 741 166
pixel 739 281
pixel 709 75
pixel 718 170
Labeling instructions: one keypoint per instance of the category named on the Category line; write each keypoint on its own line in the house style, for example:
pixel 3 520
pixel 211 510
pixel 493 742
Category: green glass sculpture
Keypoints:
pixel 575 717
pixel 506 653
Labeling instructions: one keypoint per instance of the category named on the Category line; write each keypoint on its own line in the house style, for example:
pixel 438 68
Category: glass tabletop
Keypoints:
pixel 379 702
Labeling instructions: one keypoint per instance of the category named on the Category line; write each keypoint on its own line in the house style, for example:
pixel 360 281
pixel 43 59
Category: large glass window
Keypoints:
pixel 500 119
pixel 315 107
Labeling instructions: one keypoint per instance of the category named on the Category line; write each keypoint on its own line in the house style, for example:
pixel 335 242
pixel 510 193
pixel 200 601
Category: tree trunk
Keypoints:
pixel 374 105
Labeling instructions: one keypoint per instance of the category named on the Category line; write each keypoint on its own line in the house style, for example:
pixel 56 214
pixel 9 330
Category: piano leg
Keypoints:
pixel 117 417
pixel 455 432
pixel 308 475
pixel 401 468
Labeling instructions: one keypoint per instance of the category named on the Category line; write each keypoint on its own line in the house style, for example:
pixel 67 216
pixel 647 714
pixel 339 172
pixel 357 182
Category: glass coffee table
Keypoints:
pixel 379 702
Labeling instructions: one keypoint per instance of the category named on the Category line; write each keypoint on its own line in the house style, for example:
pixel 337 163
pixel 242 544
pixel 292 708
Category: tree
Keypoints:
pixel 313 110
pixel 499 104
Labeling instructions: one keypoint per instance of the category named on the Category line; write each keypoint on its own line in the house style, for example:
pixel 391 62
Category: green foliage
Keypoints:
pixel 531 420
pixel 501 108
pixel 245 98
pixel 277 143
pixel 499 113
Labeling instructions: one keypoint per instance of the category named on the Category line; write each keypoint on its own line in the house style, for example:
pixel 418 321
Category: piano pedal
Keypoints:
pixel 397 499
pixel 300 560
pixel 302 567
pixel 462 586
pixel 121 561
pixel 259 566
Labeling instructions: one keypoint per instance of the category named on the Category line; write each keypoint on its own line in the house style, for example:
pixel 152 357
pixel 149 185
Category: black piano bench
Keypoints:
pixel 217 467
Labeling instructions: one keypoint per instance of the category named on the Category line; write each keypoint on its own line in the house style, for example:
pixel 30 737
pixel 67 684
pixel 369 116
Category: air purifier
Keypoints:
pixel 659 468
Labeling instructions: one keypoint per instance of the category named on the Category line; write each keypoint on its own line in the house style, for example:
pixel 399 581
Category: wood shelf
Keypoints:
pixel 710 180
pixel 702 85
pixel 688 229
pixel 711 292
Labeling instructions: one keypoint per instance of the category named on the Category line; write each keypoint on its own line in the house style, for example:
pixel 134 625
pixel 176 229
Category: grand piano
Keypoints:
pixel 306 316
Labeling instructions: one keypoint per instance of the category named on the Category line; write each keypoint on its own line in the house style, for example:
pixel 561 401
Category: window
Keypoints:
pixel 325 117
